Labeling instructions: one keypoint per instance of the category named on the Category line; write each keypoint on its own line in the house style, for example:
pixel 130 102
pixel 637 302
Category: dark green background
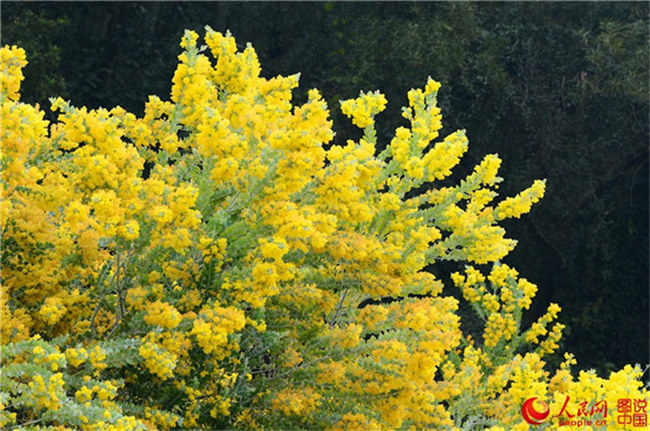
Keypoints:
pixel 558 90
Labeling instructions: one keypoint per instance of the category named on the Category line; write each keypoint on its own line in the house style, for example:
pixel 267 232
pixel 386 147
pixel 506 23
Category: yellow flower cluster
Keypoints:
pixel 212 249
pixel 520 204
pixel 55 360
pixel 52 310
pixel 296 401
pixel 96 357
pixel 13 60
pixel 409 145
pixel 163 315
pixel 213 327
pixel 48 393
pixel 502 303
pixel 158 360
pixel 363 109
pixel 356 421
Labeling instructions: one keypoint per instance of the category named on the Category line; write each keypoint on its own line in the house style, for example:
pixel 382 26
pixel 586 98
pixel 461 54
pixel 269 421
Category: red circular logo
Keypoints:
pixel 532 415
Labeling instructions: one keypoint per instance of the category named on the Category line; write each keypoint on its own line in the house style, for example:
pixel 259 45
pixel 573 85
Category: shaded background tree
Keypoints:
pixel 559 90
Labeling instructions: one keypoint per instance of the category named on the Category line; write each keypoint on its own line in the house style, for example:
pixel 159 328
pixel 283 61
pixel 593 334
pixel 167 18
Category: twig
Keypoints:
pixel 339 307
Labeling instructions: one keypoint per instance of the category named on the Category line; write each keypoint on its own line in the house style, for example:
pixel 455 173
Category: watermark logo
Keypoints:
pixel 632 413
pixel 533 414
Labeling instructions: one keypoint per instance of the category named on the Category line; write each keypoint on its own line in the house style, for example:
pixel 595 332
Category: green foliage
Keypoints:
pixel 37 34
pixel 37 379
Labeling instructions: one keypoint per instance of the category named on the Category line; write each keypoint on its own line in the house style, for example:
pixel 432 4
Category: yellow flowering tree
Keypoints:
pixel 218 263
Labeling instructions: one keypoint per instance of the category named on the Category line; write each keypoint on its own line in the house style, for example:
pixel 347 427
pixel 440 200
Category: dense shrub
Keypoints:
pixel 217 264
